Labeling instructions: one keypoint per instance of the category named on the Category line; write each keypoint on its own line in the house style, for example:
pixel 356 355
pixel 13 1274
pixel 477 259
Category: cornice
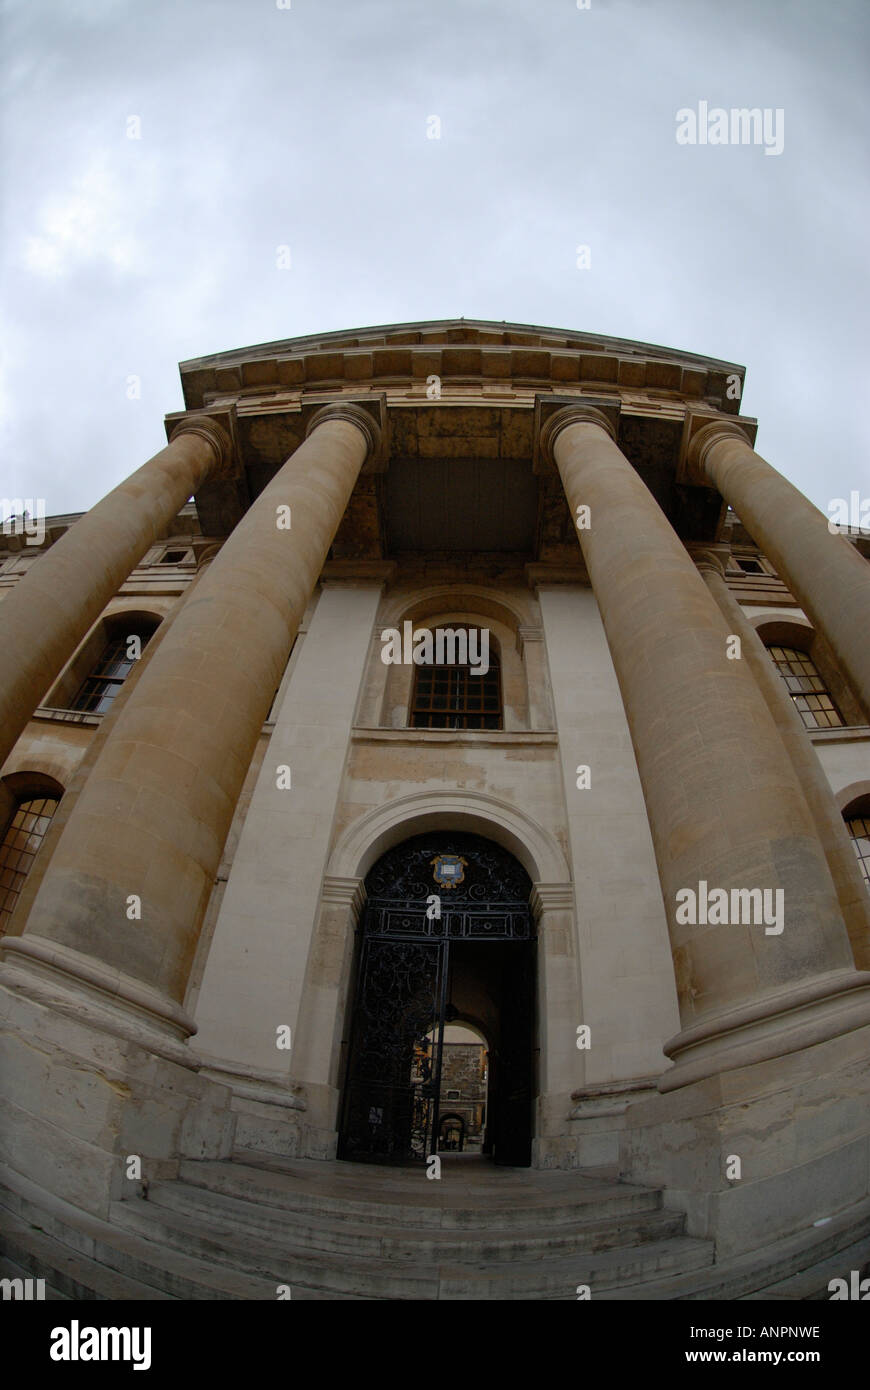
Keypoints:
pixel 460 350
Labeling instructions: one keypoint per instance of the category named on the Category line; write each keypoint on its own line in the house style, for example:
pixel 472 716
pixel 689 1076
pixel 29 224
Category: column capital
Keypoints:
pixel 551 897
pixel 709 560
pixel 579 414
pixel 354 415
pixel 211 430
pixel 703 441
pixel 349 893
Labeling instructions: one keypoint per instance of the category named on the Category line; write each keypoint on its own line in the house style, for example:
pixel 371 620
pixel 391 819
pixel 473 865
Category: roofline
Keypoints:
pixel 333 336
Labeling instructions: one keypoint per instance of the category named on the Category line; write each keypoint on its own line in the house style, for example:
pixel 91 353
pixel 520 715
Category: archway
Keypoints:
pixel 446 934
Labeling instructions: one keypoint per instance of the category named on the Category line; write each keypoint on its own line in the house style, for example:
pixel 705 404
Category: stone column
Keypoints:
pixel 30 888
pixel 827 575
pixel 51 608
pixel 725 807
pixel 123 899
pixel 830 827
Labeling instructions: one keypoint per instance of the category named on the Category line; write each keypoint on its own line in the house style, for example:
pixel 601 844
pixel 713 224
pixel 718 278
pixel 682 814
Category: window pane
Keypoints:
pixel 806 687
pixel 31 819
pixel 453 697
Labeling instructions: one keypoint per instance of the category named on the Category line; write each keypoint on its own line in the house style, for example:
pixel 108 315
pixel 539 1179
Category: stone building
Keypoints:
pixel 489 680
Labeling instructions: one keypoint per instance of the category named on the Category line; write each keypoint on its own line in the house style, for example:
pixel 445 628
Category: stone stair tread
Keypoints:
pixel 205 1204
pixel 66 1266
pixel 377 1272
pixel 485 1180
pixel 758 1273
pixel 102 1247
pixel 10 1270
pixel 283 1191
pixel 812 1283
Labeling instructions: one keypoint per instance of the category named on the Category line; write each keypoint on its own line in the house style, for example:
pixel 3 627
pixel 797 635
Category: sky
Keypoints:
pixel 156 154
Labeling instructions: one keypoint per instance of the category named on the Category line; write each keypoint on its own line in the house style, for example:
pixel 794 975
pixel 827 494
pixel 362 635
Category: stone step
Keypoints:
pixel 389 1196
pixel 53 1240
pixel 812 1284
pixel 343 1274
pixel 71 1274
pixel 374 1239
pixel 798 1262
pixel 10 1270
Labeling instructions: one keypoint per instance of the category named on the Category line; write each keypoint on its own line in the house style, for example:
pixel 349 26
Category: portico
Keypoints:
pixel 204 889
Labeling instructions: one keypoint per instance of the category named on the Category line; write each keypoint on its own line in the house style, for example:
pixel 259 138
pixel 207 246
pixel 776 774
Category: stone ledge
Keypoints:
pixel 503 736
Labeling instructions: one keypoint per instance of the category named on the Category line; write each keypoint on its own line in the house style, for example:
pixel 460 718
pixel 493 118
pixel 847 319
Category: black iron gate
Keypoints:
pixel 425 898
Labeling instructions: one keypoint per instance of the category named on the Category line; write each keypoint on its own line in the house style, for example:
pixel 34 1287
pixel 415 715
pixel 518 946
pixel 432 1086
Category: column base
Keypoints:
pixel 795 1018
pixel 78 1101
pixel 83 988
pixel 597 1119
pixel 270 1113
pixel 798 1124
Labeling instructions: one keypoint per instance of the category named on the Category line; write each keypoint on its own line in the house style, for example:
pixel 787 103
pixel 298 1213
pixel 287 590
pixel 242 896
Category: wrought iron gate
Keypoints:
pixel 425 896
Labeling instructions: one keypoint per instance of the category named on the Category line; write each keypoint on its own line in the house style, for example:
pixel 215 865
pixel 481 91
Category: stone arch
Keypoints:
pixel 113 622
pixel 851 797
pixel 367 838
pixel 442 598
pixel 318 1050
pixel 34 781
pixel 784 629
pixel 791 629
pixel 448 605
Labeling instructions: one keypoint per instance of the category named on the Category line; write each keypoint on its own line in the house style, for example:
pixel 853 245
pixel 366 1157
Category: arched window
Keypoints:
pixel 20 844
pixel 857 819
pixel 116 660
pixel 806 687
pixel 451 694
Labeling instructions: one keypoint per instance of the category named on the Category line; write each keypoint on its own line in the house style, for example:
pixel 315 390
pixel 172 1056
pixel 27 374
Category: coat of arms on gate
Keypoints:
pixel 449 869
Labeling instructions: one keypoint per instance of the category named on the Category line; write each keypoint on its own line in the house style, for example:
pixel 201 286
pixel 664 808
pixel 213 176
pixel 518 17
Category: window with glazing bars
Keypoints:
pixel 19 846
pixel 807 689
pixel 859 829
pixel 453 697
pixel 102 685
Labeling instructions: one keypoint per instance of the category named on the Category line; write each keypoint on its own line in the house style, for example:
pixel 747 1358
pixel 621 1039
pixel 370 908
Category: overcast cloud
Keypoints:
pixel 307 127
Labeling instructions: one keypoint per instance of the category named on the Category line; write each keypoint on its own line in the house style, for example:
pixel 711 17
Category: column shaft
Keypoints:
pixel 54 604
pixel 848 879
pixel 827 575
pixel 30 888
pixel 151 821
pixel 724 804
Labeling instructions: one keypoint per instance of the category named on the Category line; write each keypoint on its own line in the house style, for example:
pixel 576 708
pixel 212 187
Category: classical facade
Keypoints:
pixel 474 775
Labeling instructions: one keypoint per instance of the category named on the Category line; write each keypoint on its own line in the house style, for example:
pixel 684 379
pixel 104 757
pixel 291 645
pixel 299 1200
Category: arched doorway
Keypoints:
pixel 446 934
pixel 451 1134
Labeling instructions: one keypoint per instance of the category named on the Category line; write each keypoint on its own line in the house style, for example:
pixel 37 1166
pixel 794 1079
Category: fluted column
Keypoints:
pixel 827 575
pixel 152 819
pixel 724 804
pixel 54 604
